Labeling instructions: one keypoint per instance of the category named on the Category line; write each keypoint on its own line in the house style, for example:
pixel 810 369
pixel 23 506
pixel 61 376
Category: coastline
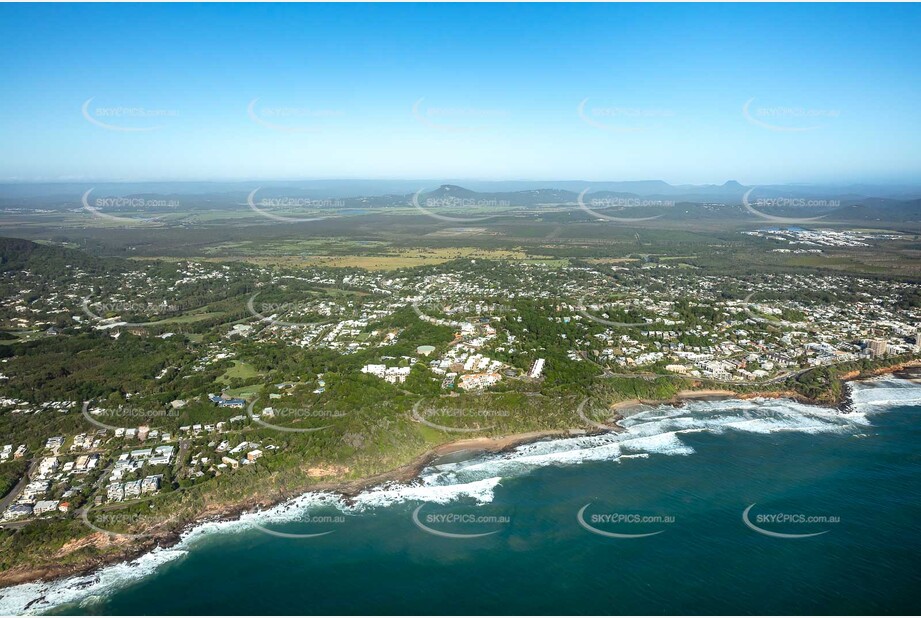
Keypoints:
pixel 349 488
pixel 229 512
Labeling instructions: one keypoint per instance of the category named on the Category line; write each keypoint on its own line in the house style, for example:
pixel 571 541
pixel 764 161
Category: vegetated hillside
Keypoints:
pixel 880 210
pixel 51 260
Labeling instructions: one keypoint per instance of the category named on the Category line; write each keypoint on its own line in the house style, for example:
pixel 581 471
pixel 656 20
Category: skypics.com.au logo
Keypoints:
pixel 324 523
pixel 456 203
pixel 140 204
pixel 610 202
pixel 478 416
pixel 124 414
pixel 287 204
pixel 269 312
pixel 289 413
pixel 623 525
pixel 119 307
pixel 290 119
pixel 455 118
pixel 787 119
pixel 620 119
pixel 431 319
pixel 125 119
pixel 787 525
pixel 784 202
pixel 458 525
pixel 116 524
pixel 584 306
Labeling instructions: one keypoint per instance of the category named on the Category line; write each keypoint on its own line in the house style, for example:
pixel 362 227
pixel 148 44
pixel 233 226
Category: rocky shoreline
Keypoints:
pixel 230 512
pixel 348 489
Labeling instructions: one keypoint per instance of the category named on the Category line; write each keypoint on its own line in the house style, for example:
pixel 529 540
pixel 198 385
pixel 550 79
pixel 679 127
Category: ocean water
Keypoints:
pixel 728 507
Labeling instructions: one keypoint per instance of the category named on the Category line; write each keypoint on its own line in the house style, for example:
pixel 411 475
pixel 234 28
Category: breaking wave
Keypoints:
pixel 653 432
pixel 658 432
pixel 884 392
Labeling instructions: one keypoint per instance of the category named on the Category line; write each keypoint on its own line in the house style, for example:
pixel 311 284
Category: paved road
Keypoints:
pixel 15 525
pixel 11 497
pixel 184 444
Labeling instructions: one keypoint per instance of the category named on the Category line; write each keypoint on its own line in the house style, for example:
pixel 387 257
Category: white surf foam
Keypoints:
pixel 658 431
pixel 654 432
pixel 884 392
pixel 429 490
pixel 36 597
pixel 40 597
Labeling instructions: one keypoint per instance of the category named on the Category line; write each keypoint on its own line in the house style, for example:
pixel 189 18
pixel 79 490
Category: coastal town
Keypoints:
pixel 122 464
pixel 602 309
pixel 510 323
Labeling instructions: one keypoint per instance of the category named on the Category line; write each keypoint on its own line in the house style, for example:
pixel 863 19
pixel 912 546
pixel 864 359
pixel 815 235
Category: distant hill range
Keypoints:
pixel 694 202
pixel 856 202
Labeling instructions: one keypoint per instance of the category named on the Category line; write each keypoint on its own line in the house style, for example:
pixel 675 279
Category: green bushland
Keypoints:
pixel 10 473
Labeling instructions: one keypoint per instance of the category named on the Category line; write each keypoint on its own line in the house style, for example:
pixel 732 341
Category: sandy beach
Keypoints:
pixel 405 473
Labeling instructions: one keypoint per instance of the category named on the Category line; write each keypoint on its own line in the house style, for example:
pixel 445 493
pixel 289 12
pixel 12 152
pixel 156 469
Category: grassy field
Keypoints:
pixel 187 318
pixel 373 256
pixel 246 392
pixel 239 370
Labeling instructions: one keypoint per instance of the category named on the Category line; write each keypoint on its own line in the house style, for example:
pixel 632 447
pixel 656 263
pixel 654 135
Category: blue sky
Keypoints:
pixel 594 92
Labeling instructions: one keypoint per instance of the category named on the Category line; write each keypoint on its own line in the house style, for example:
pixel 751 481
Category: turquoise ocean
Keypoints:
pixel 720 507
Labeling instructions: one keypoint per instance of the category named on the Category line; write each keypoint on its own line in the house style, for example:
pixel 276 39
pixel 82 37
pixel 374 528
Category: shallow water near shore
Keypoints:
pixel 647 521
